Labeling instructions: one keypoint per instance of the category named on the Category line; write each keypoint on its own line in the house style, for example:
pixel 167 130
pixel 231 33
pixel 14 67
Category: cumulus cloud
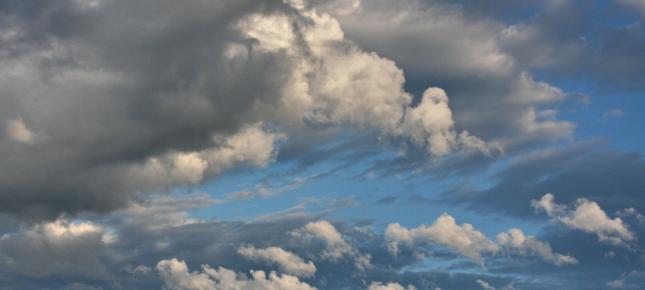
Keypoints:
pixel 121 118
pixel 334 245
pixel 252 146
pixel 430 123
pixel 484 285
pixel 517 242
pixel 470 242
pixel 127 242
pixel 466 57
pixel 177 276
pixel 348 85
pixel 464 238
pixel 389 286
pixel 286 261
pixel 587 216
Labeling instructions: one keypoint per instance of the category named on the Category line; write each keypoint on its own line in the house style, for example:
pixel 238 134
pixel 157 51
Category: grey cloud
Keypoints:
pixel 115 98
pixel 111 86
pixel 578 39
pixel 611 178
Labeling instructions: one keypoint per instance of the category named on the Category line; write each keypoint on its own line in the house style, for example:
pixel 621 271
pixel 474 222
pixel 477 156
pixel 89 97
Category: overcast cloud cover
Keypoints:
pixel 322 144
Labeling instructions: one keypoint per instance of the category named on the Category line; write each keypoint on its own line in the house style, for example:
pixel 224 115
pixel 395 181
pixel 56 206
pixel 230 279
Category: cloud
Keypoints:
pixel 430 124
pixel 127 244
pixel 616 284
pixel 334 245
pixel 609 177
pixel 587 216
pixel 492 95
pixel 484 285
pixel 18 131
pixel 553 40
pixel 389 286
pixel 177 276
pixel 122 118
pixel 464 239
pixel 58 248
pixel 252 146
pixel 515 241
pixel 613 113
pixel 286 261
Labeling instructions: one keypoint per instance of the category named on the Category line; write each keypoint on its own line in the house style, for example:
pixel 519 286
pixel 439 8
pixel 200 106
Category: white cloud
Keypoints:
pixel 515 241
pixel 389 286
pixel 587 216
pixel 333 82
pixel 161 212
pixel 335 247
pixel 138 270
pixel 286 261
pixel 176 276
pixel 430 124
pixel 616 284
pixel 467 57
pixel 484 285
pixel 613 114
pixel 19 132
pixel 631 212
pixel 251 146
pixel 464 238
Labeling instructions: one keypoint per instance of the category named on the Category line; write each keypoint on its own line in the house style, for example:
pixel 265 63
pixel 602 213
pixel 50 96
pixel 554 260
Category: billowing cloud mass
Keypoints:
pixel 177 276
pixel 444 231
pixel 491 94
pixel 123 118
pixel 286 261
pixel 587 216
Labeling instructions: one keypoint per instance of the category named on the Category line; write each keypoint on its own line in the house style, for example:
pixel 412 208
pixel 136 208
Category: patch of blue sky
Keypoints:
pixel 354 194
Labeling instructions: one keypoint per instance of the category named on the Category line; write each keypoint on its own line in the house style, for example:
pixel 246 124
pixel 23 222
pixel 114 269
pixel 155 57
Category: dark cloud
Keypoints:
pixel 105 99
pixel 596 41
pixel 589 170
pixel 110 86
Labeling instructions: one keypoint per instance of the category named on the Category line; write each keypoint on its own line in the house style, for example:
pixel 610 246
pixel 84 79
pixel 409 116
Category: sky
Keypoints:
pixel 322 144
